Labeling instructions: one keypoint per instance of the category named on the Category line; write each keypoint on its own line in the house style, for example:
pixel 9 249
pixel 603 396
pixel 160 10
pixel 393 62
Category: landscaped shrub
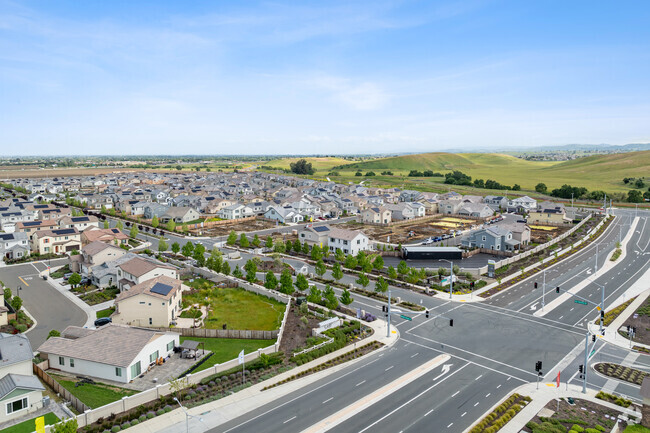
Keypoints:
pixel 576 428
pixel 125 425
pixel 134 422
pixel 115 429
pixel 142 418
pixel 160 412
pixel 167 408
pixel 150 414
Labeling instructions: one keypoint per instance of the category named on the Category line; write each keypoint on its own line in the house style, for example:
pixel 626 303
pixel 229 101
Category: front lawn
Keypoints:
pixel 235 307
pixel 225 349
pixel 30 425
pixel 105 313
pixel 100 296
pixel 60 272
pixel 96 395
pixel 636 428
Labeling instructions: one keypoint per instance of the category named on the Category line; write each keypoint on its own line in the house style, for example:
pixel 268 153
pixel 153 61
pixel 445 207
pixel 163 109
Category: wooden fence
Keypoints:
pixel 39 370
pixel 223 333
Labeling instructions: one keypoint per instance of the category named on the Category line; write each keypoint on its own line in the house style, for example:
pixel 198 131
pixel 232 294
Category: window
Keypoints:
pixel 118 371
pixel 142 302
pixel 170 346
pixel 71 362
pixel 358 241
pixel 61 360
pixel 135 370
pixel 153 356
pixel 17 405
pixel 345 242
pixel 150 320
pixel 484 238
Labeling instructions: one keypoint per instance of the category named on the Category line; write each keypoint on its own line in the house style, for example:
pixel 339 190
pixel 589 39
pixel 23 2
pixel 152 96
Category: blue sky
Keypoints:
pixel 206 77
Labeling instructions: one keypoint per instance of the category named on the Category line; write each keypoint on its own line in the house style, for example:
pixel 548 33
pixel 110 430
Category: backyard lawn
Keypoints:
pixel 93 396
pixel 225 349
pixel 30 425
pixel 105 313
pixel 235 307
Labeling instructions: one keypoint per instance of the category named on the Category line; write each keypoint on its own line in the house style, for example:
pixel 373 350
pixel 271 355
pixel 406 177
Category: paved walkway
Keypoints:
pixel 228 408
pixel 65 290
pixel 540 398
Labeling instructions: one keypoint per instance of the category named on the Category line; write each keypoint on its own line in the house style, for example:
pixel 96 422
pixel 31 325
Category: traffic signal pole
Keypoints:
pixel 584 377
pixel 388 309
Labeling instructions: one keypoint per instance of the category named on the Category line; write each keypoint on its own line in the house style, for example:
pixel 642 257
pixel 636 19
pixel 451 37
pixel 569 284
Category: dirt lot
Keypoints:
pixel 242 226
pixel 438 225
pixel 539 233
pixel 640 319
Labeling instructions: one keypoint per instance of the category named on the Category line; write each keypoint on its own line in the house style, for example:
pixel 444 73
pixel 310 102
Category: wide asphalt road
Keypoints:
pixel 50 308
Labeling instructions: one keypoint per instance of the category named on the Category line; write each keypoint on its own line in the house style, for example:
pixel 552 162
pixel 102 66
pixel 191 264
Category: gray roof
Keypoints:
pixel 13 349
pixel 111 344
pixel 13 381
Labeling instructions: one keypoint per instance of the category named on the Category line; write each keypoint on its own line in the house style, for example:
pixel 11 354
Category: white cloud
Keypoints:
pixel 357 95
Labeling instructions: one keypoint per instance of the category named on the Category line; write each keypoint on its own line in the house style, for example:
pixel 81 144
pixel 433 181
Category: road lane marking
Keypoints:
pixel 499 386
pixel 389 368
pixel 476 404
pixel 464 413
pixel 25 282
pixel 450 425
pixel 329 399
pixel 415 354
pixel 488 394
pixel 455 394
pixel 428 412
pixel 479 376
pixel 290 419
pixel 360 383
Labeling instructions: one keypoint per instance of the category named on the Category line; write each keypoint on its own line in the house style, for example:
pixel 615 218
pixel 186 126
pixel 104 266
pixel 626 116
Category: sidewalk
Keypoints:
pixel 540 398
pixel 228 408
pixel 90 312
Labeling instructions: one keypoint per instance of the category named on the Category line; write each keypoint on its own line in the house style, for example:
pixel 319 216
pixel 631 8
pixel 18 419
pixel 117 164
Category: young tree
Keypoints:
pixel 301 282
pixel 243 241
pixel 381 285
pixel 119 225
pixel 286 282
pixel 154 222
pixel 402 268
pixel 68 426
pixel 270 281
pixel 350 262
pixel 392 273
pixel 279 247
pixel 217 263
pixel 296 246
pixel 331 301
pixel 162 245
pixel 326 252
pixel 237 273
pixel 53 333
pixel 337 273
pixel 133 233
pixel 17 303
pixel 232 238
pixel 366 266
pixel 363 280
pixel 320 268
pixel 170 226
pixel 225 268
pixel 269 242
pixel 74 279
pixel 175 247
pixel 106 225
pixel 316 253
pixel 339 255
pixel 251 271
pixel 188 249
pixel 541 188
pixel 315 295
pixel 199 255
pixel 256 241
pixel 378 263
pixel 345 298
pixel 288 245
pixel 305 248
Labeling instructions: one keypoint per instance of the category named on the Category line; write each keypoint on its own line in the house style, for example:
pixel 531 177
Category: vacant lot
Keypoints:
pixel 242 226
pixel 234 307
pixel 94 396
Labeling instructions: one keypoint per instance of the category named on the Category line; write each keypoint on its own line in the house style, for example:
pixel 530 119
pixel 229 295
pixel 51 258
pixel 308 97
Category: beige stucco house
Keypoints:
pixel 155 302
pixel 56 241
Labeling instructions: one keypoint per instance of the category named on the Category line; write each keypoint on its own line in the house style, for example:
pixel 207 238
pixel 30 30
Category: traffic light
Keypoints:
pixel 538 366
pixel 426 314
pixel 471 285
pixel 593 338
pixel 557 289
pixel 451 322
pixel 384 308
pixel 581 368
pixel 602 314
pixel 535 284
pixel 628 329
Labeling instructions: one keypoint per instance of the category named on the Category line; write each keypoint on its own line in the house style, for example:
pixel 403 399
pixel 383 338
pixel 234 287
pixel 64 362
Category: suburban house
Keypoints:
pixel 520 231
pixel 137 270
pixel 155 302
pixel 80 223
pixel 314 235
pixel 450 206
pixel 522 204
pixel 376 215
pixel 8 220
pixel 348 241
pixel 14 245
pixel 97 253
pixel 113 236
pixel 20 391
pixel 283 214
pixel 32 227
pixel 180 215
pixel 406 210
pixel 235 211
pixel 113 352
pixel 496 202
pixel 548 213
pixel 53 213
pixel 57 241
pixel 154 210
pixel 491 238
pixel 476 210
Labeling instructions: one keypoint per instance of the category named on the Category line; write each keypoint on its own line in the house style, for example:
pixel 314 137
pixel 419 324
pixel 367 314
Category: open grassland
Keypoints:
pixel 225 349
pixel 320 164
pixel 599 172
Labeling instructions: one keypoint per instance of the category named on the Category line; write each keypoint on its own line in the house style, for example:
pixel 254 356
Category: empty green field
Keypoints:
pixel 599 172
pixel 319 164
pixel 225 349
pixel 93 396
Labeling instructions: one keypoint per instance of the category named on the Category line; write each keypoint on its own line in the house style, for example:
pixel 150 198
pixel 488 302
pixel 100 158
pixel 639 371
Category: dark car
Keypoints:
pixel 103 321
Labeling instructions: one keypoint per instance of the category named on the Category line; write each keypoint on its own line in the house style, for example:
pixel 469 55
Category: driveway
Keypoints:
pixel 49 307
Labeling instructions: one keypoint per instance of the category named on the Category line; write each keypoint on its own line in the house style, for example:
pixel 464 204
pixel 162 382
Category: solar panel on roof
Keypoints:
pixel 64 231
pixel 161 289
pixel 6 237
pixel 321 229
pixel 78 219
pixel 31 223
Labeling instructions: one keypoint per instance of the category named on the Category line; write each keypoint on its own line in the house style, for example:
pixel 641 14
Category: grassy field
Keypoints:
pixel 105 313
pixel 30 425
pixel 320 164
pixel 93 395
pixel 599 172
pixel 237 308
pixel 225 349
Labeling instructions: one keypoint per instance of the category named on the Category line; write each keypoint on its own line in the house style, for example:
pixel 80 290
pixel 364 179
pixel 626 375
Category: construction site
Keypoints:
pixel 225 227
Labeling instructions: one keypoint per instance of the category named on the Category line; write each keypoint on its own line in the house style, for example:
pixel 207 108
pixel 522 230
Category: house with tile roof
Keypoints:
pixel 155 302
pixel 137 270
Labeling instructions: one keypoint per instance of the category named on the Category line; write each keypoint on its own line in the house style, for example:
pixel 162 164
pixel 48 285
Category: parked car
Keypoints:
pixel 103 321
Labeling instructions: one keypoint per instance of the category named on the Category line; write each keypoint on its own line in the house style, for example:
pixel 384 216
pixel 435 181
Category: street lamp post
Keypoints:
pixel 451 276
pixel 544 290
pixel 187 416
